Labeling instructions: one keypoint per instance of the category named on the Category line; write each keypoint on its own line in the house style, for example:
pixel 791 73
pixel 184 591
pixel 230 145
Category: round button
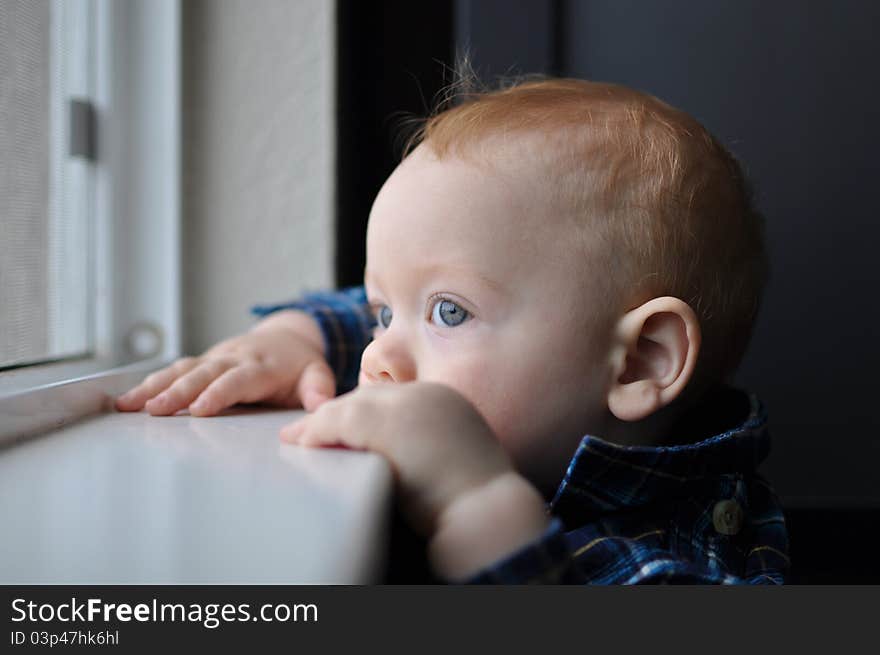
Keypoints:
pixel 727 517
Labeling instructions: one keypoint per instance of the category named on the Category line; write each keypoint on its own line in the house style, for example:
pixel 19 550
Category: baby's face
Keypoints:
pixel 477 285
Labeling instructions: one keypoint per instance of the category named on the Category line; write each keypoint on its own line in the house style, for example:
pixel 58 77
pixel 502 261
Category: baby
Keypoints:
pixel 561 275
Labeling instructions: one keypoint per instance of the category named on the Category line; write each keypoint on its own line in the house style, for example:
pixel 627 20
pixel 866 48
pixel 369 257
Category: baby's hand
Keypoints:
pixel 438 445
pixel 456 483
pixel 279 362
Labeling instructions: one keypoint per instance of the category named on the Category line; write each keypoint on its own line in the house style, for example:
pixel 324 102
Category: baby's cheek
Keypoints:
pixel 470 378
pixel 502 403
pixel 507 383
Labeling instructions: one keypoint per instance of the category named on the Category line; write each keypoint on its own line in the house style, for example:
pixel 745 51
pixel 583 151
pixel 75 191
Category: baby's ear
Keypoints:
pixel 653 357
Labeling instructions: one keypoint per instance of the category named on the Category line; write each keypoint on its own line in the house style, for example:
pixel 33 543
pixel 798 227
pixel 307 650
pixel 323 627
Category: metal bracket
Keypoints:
pixel 83 130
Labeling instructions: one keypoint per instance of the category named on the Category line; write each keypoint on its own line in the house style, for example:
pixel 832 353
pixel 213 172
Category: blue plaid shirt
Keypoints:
pixel 695 513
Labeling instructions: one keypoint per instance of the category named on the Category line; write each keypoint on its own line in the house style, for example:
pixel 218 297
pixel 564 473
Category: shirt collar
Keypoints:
pixel 605 477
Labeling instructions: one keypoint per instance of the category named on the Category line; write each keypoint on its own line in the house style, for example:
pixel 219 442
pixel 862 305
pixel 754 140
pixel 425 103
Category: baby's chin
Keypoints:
pixel 541 452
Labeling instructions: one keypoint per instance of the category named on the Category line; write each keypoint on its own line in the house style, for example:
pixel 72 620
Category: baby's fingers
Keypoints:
pixel 305 436
pixel 292 432
pixel 317 384
pixel 332 425
pixel 134 399
pixel 186 388
pixel 240 384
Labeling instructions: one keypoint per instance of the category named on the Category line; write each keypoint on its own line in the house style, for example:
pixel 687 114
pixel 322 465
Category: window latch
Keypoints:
pixel 83 130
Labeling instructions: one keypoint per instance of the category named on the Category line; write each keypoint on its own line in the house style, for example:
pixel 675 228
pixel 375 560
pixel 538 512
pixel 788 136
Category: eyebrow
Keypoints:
pixel 487 281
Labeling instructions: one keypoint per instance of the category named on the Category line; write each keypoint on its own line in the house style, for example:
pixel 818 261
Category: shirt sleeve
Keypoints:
pixel 548 560
pixel 346 324
pixel 555 558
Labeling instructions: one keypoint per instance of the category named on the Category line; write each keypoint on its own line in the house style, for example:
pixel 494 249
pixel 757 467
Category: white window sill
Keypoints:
pixel 27 378
pixel 135 499
pixel 31 402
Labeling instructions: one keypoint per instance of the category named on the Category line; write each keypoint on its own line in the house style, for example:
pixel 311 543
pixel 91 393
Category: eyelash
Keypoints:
pixel 377 314
pixel 434 301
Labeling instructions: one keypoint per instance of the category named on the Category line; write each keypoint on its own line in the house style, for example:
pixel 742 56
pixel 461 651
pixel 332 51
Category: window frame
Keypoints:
pixel 135 205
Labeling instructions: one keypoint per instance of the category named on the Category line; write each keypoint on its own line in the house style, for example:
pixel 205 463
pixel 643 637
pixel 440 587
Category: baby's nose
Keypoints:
pixel 387 360
pixel 369 378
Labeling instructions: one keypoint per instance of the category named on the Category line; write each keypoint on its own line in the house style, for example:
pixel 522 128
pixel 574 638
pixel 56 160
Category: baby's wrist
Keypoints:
pixel 486 524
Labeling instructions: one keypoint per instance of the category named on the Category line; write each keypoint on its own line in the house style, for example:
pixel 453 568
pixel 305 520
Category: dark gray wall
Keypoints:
pixel 790 87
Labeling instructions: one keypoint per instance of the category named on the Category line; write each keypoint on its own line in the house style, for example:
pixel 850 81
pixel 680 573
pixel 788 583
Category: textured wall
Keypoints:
pixel 258 117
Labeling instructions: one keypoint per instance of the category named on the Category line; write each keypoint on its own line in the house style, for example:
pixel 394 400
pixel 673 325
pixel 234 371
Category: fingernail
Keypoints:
pixel 155 403
pixel 291 433
pixel 198 405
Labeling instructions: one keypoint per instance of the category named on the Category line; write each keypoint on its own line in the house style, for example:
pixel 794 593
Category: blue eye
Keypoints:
pixel 384 316
pixel 446 313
